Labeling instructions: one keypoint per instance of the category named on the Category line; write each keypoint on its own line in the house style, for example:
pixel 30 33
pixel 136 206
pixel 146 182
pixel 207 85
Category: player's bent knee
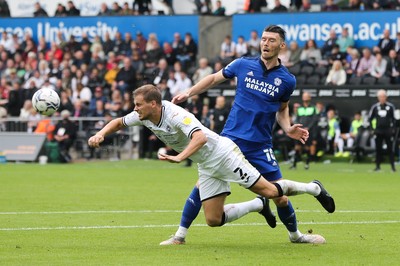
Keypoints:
pixel 213 222
pixel 281 201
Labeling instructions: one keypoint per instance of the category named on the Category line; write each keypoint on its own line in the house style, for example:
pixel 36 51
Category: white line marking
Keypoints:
pixel 175 225
pixel 169 211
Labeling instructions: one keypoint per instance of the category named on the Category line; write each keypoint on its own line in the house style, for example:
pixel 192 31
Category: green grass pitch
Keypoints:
pixel 116 213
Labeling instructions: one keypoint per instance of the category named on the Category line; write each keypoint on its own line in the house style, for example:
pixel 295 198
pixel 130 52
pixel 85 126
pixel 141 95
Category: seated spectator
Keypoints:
pixel 4 9
pixel 284 56
pixel 279 7
pixel 95 80
pixel 253 44
pixel 219 9
pixel 337 75
pixel 108 44
pixel 378 68
pixel 182 83
pixel 165 91
pixel 335 142
pixel 80 109
pixel 153 51
pixel 138 65
pixel 126 77
pixel 330 6
pixel 189 52
pixel 161 72
pixel 97 96
pixel 227 53
pixel 115 9
pixel 397 43
pixel 310 55
pixel 99 108
pixel 353 63
pixel 72 10
pixel 125 10
pixel 39 11
pixel 65 135
pixel 169 53
pixel 114 106
pixel 16 99
pixel 326 49
pixel 104 10
pixel 352 134
pixel 7 42
pixel 254 6
pixel 142 7
pixel 305 6
pixel 385 43
pixel 336 55
pixel 219 115
pixel 111 74
pixel 241 47
pixel 127 104
pixel 345 40
pixel 203 7
pixel 65 102
pixel 141 42
pixel 60 11
pixel 393 67
pixel 295 53
pixel 203 70
pixel 366 62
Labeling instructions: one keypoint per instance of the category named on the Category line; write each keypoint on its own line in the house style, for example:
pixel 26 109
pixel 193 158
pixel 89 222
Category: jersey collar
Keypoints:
pixel 162 116
pixel 265 70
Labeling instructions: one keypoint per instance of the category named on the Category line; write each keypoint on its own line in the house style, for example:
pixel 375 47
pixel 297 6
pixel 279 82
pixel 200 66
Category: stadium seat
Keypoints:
pixel 384 80
pixel 355 80
pixel 295 69
pixel 368 80
pixel 313 80
pixel 322 71
pixel 361 145
pixel 307 70
pixel 301 79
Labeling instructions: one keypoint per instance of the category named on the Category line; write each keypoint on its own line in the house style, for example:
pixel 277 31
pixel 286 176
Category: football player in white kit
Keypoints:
pixel 219 159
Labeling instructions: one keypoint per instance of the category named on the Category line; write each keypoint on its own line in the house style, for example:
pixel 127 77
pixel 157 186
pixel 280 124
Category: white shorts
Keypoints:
pixel 226 164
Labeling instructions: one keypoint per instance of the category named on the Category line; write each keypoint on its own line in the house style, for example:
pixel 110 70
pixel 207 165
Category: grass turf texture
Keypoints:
pixel 116 213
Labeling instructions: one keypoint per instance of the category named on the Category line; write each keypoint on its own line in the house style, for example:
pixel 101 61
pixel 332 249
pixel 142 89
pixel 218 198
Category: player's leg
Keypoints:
pixel 379 150
pixel 190 211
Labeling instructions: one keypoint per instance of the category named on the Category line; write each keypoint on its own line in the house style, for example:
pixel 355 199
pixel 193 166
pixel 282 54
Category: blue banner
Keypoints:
pixel 365 27
pixel 163 26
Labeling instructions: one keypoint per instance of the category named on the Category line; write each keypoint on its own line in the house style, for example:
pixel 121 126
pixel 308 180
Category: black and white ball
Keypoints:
pixel 46 101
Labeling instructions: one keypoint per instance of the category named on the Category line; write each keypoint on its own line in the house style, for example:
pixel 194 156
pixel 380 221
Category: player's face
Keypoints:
pixel 270 45
pixel 143 108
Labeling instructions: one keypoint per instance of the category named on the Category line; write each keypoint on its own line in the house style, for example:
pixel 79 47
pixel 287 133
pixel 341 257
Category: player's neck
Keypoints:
pixel 156 117
pixel 269 64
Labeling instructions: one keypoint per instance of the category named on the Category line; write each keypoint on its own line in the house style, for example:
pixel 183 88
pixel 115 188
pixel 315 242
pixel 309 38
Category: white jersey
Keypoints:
pixel 175 129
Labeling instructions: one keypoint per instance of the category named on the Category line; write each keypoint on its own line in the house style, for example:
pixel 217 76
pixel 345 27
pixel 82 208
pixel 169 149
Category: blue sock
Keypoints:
pixel 288 217
pixel 191 209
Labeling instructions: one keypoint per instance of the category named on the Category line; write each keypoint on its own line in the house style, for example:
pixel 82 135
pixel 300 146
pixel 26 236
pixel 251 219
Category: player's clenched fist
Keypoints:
pixel 95 140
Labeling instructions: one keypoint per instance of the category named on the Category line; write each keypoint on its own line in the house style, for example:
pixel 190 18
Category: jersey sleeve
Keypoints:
pixel 131 119
pixel 231 70
pixel 290 86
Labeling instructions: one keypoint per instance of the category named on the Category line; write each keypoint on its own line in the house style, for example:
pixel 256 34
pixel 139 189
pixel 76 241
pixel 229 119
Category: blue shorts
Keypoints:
pixel 261 156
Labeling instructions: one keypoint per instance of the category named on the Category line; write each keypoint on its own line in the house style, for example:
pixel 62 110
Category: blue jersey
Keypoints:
pixel 259 95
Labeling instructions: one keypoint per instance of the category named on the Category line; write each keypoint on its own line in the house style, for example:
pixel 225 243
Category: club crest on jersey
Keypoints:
pixel 277 81
pixel 187 121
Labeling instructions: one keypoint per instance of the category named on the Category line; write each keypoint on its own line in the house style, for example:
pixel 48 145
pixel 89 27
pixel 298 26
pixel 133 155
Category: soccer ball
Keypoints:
pixel 46 101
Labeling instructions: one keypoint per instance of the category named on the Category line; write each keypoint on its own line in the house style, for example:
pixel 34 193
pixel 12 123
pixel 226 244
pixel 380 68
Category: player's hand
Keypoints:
pixel 95 140
pixel 181 97
pixel 297 132
pixel 169 158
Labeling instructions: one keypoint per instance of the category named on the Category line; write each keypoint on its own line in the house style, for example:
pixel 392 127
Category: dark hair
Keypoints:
pixel 149 92
pixel 276 29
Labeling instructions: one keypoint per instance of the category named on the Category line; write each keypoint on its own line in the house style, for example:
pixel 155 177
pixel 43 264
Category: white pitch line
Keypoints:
pixel 169 211
pixel 175 225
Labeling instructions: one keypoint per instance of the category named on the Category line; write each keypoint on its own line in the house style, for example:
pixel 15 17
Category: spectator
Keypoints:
pixel 165 91
pixel 241 47
pixel 141 41
pixel 385 43
pixel 378 66
pixel 227 53
pixel 352 65
pixel 4 9
pixel 345 40
pixel 108 44
pixel 97 48
pixel 393 67
pixel 118 44
pixel 203 7
pixel 336 55
pixel 203 70
pixel 60 11
pixel 305 6
pixel 169 53
pixel 125 81
pixel 353 131
pixel 142 7
pixel 220 10
pixel 80 110
pixel 326 49
pixel 72 45
pixel 99 108
pixel 279 7
pixel 219 115
pixel 138 64
pixel 125 10
pixel 337 75
pixel 330 6
pixel 111 74
pixel 65 134
pixel 115 9
pixel 355 5
pixel 253 44
pixel 366 62
pixel 335 142
pixel 114 107
pixel 161 72
pixel 255 6
pixel 178 44
pixel 95 80
pixel 16 99
pixel 310 55
pixel 39 11
pixel 65 102
pixel 397 44
pixel 381 116
pixel 189 52
pixel 72 10
pixel 294 54
pixel 104 10
pixel 153 51
pixel 7 42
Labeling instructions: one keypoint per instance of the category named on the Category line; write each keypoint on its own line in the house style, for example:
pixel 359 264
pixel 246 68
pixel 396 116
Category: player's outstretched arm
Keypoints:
pixel 113 126
pixel 198 140
pixel 202 86
pixel 294 131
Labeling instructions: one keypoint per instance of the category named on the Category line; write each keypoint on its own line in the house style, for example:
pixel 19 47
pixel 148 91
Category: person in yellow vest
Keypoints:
pixel 352 134
pixel 334 139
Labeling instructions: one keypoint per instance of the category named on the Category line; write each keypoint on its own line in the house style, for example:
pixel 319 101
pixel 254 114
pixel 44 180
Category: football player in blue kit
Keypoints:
pixel 263 89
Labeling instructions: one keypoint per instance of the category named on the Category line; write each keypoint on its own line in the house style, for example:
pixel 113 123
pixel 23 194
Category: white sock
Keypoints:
pixel 340 144
pixel 350 142
pixel 237 210
pixel 295 235
pixel 291 188
pixel 182 232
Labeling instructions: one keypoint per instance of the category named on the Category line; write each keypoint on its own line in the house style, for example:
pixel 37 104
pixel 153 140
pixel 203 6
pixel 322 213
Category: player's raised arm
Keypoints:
pixel 202 86
pixel 113 126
